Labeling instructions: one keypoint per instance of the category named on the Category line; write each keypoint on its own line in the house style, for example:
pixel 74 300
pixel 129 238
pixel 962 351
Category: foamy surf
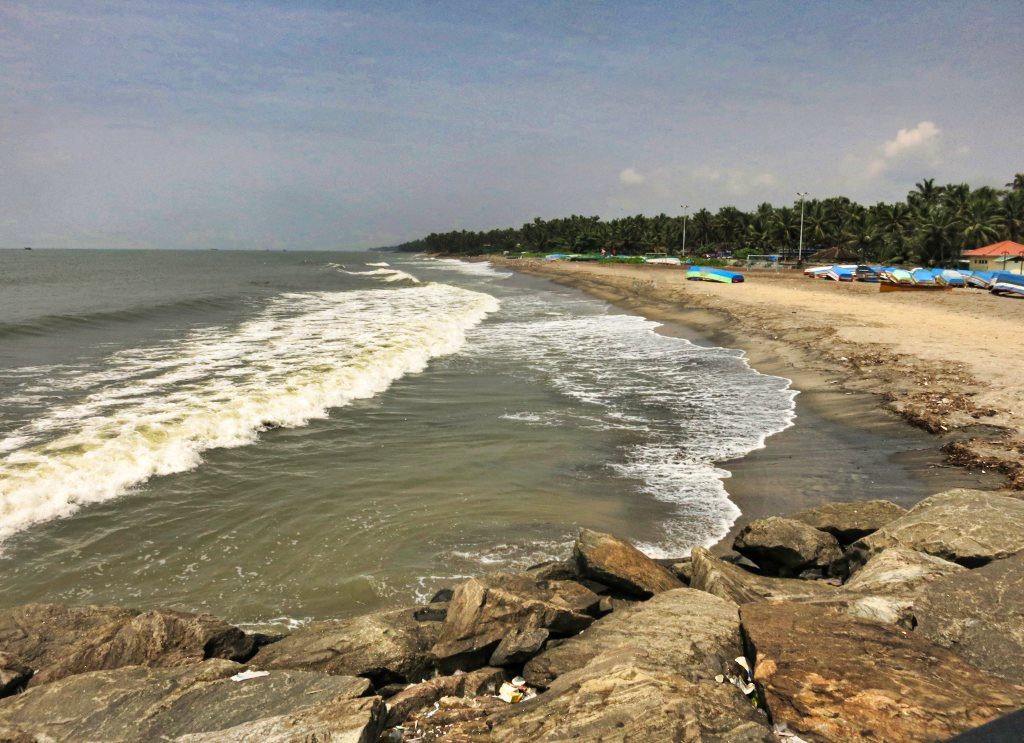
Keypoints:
pixel 385 274
pixel 154 411
pixel 687 406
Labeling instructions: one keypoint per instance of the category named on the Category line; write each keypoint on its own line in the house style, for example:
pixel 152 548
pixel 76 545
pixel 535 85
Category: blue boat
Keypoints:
pixel 1008 283
pixel 706 273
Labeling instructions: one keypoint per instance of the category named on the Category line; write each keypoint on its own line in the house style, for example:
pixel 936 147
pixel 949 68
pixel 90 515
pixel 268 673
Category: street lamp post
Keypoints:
pixel 800 249
pixel 686 208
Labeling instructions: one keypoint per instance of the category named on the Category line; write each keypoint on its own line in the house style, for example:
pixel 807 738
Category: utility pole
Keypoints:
pixel 685 208
pixel 800 250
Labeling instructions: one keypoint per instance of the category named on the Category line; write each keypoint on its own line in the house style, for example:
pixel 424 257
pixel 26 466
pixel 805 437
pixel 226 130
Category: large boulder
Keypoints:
pixel 837 678
pixel 900 571
pixel 969 527
pixel 885 589
pixel 785 547
pixel 620 565
pixel 137 703
pixel 980 615
pixel 60 641
pixel 619 700
pixel 848 522
pixel 483 611
pixel 385 647
pixel 733 583
pixel 684 631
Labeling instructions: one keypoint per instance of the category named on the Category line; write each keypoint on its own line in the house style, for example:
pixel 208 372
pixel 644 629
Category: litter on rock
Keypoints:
pixel 515 691
pixel 246 675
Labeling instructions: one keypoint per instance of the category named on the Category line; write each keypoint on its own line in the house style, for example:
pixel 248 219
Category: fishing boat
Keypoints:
pixel 1008 283
pixel 662 259
pixel 706 273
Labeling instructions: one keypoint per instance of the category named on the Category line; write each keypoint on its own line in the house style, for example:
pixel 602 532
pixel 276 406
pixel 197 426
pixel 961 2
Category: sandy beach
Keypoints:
pixel 946 363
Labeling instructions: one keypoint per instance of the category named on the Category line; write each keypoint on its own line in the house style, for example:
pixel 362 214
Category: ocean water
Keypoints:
pixel 278 437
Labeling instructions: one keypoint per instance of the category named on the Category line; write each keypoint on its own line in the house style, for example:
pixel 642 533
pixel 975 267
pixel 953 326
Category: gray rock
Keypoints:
pixel 740 586
pixel 616 700
pixel 385 647
pixel 518 646
pixel 348 720
pixel 483 611
pixel 421 696
pixel 60 641
pixel 899 571
pixel 784 547
pixel 136 703
pixel 831 677
pixel 848 522
pixel 980 615
pixel 969 527
pixel 14 674
pixel 684 631
pixel 619 564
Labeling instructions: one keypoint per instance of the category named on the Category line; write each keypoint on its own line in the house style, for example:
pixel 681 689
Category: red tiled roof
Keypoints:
pixel 1006 247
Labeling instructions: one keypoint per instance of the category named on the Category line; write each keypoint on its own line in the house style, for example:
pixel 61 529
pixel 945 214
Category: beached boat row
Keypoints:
pixel 891 279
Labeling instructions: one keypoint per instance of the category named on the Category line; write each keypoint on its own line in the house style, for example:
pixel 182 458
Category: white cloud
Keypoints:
pixel 632 177
pixel 921 143
pixel 922 137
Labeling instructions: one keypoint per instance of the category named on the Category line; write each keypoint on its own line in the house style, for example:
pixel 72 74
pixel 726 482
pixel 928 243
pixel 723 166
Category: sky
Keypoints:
pixel 348 125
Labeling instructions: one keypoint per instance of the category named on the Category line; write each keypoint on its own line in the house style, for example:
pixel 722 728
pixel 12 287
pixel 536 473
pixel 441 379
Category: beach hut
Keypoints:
pixel 1002 256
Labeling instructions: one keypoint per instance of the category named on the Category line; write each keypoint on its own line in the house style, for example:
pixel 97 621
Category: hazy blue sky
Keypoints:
pixel 348 124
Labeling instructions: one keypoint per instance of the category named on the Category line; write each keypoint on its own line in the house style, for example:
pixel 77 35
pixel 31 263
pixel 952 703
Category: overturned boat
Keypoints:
pixel 706 273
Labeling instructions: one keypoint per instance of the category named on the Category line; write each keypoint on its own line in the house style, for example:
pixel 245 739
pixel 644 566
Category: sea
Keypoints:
pixel 279 437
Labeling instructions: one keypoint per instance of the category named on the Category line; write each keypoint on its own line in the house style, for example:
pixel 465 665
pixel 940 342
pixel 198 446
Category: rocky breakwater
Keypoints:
pixel 853 622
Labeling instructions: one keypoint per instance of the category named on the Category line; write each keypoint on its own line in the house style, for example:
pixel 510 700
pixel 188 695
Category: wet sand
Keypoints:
pixel 851 439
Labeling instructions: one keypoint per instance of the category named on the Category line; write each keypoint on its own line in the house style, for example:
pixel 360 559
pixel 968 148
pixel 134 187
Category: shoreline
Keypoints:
pixel 873 450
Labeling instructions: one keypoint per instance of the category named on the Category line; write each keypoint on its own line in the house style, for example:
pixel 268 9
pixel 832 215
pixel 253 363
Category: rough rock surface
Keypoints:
pixel 384 647
pixel 13 674
pixel 518 646
pixel 620 565
pixel 59 641
pixel 875 682
pixel 740 586
pixel 980 615
pixel 684 631
pixel 340 720
pixel 483 611
pixel 422 695
pixel 900 571
pixel 969 527
pixel 785 547
pixel 616 700
pixel 848 522
pixel 136 703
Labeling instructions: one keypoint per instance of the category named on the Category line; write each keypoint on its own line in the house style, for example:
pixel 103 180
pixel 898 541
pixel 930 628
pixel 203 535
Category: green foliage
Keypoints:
pixel 933 225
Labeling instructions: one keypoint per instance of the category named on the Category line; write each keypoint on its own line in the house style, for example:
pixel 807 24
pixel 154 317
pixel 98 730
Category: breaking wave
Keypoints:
pixel 155 410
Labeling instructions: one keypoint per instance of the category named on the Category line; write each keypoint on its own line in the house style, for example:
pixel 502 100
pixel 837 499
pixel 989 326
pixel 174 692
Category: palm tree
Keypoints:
pixel 1011 215
pixel 1017 184
pixel 927 193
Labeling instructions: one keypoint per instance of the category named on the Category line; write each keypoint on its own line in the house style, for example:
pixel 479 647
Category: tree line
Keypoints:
pixel 931 226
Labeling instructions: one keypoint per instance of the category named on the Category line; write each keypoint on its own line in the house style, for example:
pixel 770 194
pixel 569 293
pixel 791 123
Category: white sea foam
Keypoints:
pixel 154 411
pixel 379 264
pixel 682 407
pixel 385 274
pixel 469 268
